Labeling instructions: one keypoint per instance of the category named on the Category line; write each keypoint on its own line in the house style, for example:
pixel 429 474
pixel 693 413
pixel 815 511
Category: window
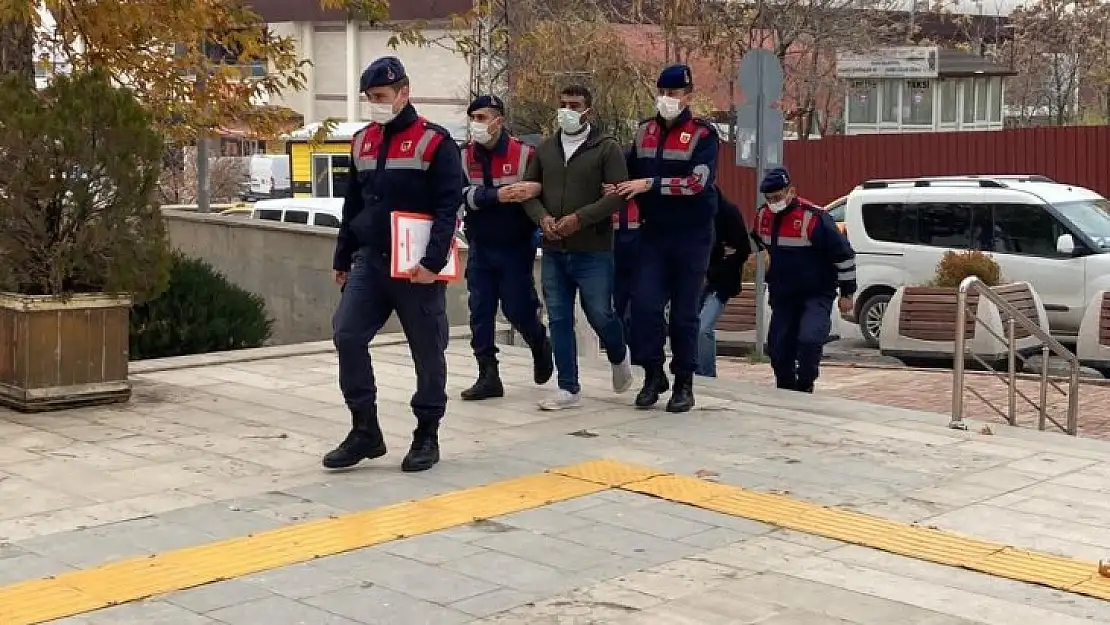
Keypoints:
pixel 982 228
pixel 917 103
pixel 1091 217
pixel 837 210
pixel 949 101
pixel 996 99
pixel 967 88
pixel 326 220
pixel 272 214
pixel 891 89
pixel 296 217
pixel 981 92
pixel 863 102
pixel 1025 229
pixel 895 222
pixel 944 225
pixel 329 174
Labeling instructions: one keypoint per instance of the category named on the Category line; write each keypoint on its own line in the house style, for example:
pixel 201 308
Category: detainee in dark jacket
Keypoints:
pixel 723 280
pixel 571 168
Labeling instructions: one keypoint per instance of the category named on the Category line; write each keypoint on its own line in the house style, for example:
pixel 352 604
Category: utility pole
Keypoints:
pixel 203 184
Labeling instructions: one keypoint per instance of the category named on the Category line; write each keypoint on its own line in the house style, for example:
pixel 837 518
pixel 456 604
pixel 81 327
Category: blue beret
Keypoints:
pixel 675 77
pixel 382 73
pixel 486 101
pixel 775 180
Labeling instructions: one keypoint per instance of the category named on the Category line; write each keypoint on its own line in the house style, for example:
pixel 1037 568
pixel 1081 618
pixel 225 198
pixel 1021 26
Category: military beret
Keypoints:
pixel 486 102
pixel 675 77
pixel 381 73
pixel 775 180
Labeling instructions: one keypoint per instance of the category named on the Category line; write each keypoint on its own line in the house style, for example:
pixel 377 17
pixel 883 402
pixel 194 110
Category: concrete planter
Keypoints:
pixel 1093 342
pixel 58 354
pixel 919 327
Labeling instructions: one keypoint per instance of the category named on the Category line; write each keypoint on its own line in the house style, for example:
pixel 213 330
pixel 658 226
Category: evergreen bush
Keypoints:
pixel 78 214
pixel 201 311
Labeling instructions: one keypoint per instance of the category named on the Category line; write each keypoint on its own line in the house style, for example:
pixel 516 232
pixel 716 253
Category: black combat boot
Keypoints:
pixel 424 452
pixel 682 399
pixel 655 383
pixel 488 384
pixel 543 364
pixel 365 442
pixel 804 387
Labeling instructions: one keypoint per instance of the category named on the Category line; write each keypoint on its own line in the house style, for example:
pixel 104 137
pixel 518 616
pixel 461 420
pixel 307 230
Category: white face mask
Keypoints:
pixel 778 207
pixel 479 131
pixel 668 107
pixel 381 113
pixel 570 121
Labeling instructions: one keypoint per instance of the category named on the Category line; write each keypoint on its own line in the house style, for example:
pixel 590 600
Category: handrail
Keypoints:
pixel 972 283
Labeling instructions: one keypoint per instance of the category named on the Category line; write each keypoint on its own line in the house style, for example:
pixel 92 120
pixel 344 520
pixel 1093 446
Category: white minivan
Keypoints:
pixel 314 211
pixel 1054 236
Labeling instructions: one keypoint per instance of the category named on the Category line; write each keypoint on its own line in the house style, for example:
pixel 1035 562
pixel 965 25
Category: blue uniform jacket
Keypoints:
pixel 809 256
pixel 488 220
pixel 681 160
pixel 408 165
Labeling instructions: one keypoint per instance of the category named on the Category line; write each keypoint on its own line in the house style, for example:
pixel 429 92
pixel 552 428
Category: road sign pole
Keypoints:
pixel 760 270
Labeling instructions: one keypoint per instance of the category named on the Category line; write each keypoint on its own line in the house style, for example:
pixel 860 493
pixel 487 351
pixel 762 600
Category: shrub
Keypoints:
pixel 200 312
pixel 77 206
pixel 955 266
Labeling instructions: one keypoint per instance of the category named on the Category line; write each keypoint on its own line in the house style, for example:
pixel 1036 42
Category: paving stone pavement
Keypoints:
pixel 932 390
pixel 222 450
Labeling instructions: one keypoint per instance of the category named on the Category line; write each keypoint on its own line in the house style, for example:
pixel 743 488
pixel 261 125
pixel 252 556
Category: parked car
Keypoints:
pixel 316 211
pixel 836 209
pixel 1054 236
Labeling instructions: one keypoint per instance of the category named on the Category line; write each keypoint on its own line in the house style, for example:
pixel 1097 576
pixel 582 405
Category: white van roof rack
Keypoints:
pixel 987 182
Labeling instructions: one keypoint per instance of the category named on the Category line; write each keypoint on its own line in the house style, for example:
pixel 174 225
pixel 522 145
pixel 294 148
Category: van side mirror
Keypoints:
pixel 1065 245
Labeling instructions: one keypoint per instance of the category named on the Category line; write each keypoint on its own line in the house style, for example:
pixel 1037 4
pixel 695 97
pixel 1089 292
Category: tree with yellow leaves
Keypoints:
pixel 158 48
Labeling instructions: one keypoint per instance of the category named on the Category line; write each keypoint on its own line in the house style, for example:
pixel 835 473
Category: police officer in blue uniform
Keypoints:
pixel 810 260
pixel 672 168
pixel 399 162
pixel 502 247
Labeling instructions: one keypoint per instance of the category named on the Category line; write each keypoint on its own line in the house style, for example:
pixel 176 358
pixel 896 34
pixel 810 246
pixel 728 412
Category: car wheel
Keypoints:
pixel 871 318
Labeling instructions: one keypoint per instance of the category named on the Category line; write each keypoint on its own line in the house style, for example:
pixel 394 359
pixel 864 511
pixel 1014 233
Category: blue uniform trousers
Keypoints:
pixel 502 274
pixel 626 249
pixel 671 271
pixel 368 300
pixel 795 337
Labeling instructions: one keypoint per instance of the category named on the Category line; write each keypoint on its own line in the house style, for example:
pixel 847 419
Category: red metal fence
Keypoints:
pixel 826 169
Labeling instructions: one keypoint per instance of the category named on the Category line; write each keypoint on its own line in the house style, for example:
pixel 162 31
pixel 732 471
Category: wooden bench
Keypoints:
pixel 929 314
pixel 739 313
pixel 1021 297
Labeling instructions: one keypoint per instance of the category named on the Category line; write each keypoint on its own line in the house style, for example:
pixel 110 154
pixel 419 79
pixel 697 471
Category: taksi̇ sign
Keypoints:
pixel 905 62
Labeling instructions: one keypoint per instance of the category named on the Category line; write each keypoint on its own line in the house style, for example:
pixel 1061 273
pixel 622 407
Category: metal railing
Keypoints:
pixel 1012 318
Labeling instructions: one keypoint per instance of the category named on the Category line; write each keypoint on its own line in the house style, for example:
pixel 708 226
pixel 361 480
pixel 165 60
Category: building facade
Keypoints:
pixel 338 50
pixel 921 89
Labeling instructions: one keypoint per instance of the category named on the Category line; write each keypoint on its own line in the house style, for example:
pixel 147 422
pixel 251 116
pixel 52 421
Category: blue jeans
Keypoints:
pixel 564 275
pixel 711 309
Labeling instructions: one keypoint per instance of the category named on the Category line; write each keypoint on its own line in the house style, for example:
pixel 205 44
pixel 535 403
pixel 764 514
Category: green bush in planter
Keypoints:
pixel 200 312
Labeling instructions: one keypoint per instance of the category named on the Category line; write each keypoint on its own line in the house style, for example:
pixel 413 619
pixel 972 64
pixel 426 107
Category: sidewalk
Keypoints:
pixel 931 391
pixel 201 502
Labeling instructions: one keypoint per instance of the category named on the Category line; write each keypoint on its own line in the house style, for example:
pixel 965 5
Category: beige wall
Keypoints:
pixel 288 265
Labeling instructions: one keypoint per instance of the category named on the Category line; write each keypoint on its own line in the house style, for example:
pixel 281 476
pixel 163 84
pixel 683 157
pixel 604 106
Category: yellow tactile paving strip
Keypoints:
pixel 78 592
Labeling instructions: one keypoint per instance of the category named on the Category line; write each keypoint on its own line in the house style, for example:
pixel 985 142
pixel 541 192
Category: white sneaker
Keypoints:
pixel 622 373
pixel 561 399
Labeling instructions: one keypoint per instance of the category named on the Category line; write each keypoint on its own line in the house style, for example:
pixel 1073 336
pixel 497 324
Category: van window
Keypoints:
pixel 1025 229
pixel 296 217
pixel 944 225
pixel 273 214
pixel 838 210
pixel 892 222
pixel 324 219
